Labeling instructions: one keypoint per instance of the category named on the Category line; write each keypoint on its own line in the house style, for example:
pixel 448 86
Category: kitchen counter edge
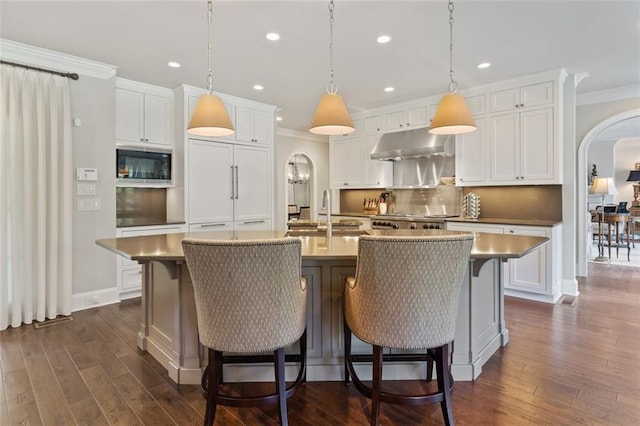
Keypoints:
pixel 502 221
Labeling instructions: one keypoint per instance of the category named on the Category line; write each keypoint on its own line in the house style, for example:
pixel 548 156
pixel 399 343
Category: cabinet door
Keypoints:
pixel 129 116
pixel 477 104
pixel 536 95
pixel 244 124
pixel 262 127
pixel 415 117
pixel 157 119
pixel 376 172
pixel 394 120
pixel 372 125
pixel 505 100
pixel 529 273
pixel 253 183
pixel 354 161
pixel 338 162
pixel 504 144
pixel 472 163
pixel 210 174
pixel 537 148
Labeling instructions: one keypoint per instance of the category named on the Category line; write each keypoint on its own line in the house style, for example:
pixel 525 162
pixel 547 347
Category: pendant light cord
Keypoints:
pixel 209 47
pixel 331 88
pixel 453 86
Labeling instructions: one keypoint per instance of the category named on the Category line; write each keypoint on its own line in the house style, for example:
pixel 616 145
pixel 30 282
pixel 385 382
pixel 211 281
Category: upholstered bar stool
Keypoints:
pixel 405 296
pixel 250 298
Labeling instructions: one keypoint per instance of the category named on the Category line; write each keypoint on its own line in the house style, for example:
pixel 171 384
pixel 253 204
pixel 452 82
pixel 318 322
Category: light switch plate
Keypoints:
pixel 86 189
pixel 88 204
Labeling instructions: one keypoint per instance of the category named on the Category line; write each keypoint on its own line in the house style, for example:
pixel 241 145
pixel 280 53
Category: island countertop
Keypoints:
pixel 169 246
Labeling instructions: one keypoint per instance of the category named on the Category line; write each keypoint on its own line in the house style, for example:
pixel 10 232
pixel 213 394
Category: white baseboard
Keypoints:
pixel 92 299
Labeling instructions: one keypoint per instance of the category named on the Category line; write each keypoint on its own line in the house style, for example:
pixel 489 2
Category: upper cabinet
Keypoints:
pixel 529 96
pixel 143 113
pixel 404 119
pixel 254 125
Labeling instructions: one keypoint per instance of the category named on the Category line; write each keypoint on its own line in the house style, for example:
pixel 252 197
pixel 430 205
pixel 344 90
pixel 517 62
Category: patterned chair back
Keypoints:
pixel 406 290
pixel 249 297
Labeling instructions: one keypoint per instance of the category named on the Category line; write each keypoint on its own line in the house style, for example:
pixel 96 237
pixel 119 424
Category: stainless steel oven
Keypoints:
pixel 406 221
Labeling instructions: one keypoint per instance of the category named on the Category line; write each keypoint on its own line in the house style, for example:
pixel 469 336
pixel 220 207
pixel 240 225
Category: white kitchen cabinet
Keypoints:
pixel 472 156
pixel 522 148
pixel 376 173
pixel 253 125
pixel 129 272
pixel 227 182
pixel 357 125
pixel 533 95
pixel 252 225
pixel 372 125
pixel 408 118
pixel 537 275
pixel 346 162
pixel 213 226
pixel 143 114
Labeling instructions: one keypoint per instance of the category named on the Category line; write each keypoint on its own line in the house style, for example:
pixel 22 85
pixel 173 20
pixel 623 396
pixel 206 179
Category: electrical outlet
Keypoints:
pixel 89 204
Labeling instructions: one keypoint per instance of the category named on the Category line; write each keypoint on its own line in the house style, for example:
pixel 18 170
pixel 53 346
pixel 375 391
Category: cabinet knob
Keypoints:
pixel 521 105
pixel 400 124
pixel 408 124
pixel 511 231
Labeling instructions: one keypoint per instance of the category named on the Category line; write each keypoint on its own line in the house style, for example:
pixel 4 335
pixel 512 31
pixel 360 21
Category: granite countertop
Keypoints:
pixel 168 247
pixel 141 221
pixel 502 221
pixel 354 214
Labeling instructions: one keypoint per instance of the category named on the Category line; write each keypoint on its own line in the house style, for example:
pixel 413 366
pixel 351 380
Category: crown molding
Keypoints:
pixel 609 95
pixel 26 54
pixel 301 135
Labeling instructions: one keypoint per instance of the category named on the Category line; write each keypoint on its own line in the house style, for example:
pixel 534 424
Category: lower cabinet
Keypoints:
pixel 239 225
pixel 536 276
pixel 129 272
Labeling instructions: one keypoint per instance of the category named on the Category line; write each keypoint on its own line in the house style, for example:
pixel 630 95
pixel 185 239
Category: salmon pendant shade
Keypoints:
pixel 210 117
pixel 332 116
pixel 452 116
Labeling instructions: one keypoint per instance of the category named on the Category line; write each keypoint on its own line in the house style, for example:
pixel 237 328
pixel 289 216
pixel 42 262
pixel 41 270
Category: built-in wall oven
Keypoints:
pixel 406 221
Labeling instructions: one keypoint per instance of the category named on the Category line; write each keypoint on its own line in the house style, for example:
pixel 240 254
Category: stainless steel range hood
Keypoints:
pixel 412 144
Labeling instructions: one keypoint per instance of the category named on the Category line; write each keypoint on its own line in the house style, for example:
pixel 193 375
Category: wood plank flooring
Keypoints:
pixel 564 365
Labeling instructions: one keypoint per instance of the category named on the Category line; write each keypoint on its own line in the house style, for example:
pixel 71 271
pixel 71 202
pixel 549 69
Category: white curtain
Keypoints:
pixel 36 178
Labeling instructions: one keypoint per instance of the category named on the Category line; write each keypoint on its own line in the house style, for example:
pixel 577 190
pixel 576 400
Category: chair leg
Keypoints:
pixel 444 382
pixel 430 365
pixel 214 372
pixel 376 385
pixel 281 385
pixel 347 350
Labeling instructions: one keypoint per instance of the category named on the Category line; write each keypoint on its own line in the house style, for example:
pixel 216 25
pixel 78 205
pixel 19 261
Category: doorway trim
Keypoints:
pixel 585 143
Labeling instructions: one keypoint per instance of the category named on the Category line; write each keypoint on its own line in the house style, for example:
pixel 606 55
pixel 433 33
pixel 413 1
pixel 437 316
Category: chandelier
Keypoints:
pixel 295 176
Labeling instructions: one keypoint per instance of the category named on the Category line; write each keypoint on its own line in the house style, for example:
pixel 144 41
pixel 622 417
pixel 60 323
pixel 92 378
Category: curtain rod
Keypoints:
pixel 72 76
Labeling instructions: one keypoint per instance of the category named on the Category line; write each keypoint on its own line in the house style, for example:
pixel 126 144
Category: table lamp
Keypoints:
pixel 602 187
pixel 634 176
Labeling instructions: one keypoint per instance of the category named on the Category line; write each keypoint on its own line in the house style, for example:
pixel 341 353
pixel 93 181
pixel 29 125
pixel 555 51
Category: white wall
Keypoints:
pixel 93 102
pixel 600 153
pixel 314 147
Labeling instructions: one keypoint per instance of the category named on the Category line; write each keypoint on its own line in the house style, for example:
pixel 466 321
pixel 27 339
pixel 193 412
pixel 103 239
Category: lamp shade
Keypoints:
pixel 331 117
pixel 603 186
pixel 452 116
pixel 210 118
pixel 634 176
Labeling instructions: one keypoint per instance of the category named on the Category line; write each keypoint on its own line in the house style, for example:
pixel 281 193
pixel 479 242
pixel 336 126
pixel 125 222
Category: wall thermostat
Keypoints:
pixel 83 173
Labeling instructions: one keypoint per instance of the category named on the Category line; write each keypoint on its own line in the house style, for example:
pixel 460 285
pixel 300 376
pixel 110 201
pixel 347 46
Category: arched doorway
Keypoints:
pixel 299 181
pixel 582 220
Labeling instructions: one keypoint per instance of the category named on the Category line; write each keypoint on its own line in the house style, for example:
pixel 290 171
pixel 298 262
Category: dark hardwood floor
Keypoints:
pixel 564 365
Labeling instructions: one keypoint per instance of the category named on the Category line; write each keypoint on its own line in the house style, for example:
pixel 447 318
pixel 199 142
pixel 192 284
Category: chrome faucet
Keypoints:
pixel 326 205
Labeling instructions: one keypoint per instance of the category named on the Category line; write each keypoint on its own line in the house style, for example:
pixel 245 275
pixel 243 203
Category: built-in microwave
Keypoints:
pixel 143 167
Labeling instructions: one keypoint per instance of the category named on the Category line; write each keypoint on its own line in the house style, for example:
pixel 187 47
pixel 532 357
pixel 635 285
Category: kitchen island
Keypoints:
pixel 168 328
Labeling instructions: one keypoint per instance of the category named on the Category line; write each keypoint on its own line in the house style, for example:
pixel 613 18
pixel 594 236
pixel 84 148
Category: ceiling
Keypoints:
pixel 517 37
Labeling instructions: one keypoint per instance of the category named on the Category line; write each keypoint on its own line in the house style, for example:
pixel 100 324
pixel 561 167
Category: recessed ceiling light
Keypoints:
pixel 273 36
pixel 174 64
pixel 383 39
pixel 278 118
pixel 258 87
pixel 484 65
pixel 389 89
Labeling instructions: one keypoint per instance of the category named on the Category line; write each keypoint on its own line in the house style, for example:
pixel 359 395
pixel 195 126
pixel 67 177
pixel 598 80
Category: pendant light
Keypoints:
pixel 210 117
pixel 452 115
pixel 331 117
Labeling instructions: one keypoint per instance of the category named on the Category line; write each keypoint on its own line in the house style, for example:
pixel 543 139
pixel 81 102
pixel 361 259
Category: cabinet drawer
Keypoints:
pixel 217 226
pixel 131 278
